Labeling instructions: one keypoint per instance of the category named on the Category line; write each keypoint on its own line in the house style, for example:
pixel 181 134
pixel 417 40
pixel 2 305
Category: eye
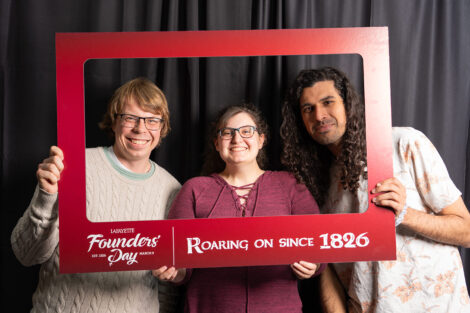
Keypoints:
pixel 153 121
pixel 226 132
pixel 130 118
pixel 246 130
pixel 307 109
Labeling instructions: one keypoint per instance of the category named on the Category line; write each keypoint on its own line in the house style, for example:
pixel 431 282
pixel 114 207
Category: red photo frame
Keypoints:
pixel 225 241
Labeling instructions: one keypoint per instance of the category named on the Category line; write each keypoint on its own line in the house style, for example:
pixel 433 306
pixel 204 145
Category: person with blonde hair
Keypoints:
pixel 122 184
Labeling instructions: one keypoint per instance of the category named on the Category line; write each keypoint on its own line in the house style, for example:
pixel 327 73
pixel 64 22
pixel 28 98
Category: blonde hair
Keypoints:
pixel 147 96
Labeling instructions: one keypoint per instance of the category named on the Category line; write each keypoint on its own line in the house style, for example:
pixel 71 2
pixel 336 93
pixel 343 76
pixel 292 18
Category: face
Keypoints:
pixel 323 114
pixel 238 150
pixel 134 144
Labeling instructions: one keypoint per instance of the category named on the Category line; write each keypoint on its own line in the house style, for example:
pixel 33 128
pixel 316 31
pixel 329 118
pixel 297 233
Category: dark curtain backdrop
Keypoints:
pixel 430 83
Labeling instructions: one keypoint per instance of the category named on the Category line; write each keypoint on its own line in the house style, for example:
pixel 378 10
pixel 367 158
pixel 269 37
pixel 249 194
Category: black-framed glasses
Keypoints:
pixel 131 121
pixel 245 132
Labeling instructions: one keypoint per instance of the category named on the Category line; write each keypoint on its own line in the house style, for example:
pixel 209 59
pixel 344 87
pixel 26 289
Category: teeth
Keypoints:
pixel 138 142
pixel 238 149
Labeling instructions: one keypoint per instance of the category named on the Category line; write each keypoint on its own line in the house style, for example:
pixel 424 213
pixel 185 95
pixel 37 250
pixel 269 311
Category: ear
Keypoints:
pixel 261 141
pixel 216 145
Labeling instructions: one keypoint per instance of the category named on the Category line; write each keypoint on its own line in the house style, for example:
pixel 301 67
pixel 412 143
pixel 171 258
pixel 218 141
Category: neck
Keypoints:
pixel 239 175
pixel 135 166
pixel 334 149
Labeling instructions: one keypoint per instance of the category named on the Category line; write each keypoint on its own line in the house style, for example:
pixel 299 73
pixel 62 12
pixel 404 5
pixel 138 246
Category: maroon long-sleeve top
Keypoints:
pixel 242 289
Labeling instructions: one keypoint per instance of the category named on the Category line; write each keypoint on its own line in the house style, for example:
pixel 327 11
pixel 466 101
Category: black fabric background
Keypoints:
pixel 430 83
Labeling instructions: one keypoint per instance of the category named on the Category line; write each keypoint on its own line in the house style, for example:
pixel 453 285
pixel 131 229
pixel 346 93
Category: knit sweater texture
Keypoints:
pixel 111 195
pixel 242 289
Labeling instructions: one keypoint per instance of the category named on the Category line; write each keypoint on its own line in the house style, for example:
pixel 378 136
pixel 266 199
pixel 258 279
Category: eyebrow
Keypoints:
pixel 321 100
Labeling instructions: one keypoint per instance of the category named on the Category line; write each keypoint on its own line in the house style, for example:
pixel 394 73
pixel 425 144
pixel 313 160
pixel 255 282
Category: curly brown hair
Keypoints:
pixel 212 161
pixel 310 161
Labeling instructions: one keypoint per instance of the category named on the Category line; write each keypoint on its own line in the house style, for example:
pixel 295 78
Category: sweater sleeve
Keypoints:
pixel 184 204
pixel 36 235
pixel 302 200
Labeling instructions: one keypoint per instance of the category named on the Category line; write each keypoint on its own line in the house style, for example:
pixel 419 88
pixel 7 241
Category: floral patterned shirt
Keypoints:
pixel 427 276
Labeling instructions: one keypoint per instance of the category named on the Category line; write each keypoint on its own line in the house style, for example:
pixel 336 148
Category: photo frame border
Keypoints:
pixel 74 49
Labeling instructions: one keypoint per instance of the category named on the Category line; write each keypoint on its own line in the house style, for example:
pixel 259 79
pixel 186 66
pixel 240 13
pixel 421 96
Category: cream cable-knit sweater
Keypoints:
pixel 35 241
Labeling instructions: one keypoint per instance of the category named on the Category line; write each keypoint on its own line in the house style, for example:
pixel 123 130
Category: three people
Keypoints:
pixel 238 186
pixel 138 118
pixel 324 146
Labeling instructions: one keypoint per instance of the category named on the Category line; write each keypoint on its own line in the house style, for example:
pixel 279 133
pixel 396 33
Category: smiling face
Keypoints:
pixel 323 113
pixel 238 150
pixel 133 145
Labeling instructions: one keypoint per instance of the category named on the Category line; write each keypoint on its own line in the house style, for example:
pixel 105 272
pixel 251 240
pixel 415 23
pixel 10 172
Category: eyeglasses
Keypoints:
pixel 244 131
pixel 131 121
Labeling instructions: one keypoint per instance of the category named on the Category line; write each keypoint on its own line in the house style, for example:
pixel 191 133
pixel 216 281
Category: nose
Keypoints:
pixel 140 126
pixel 320 113
pixel 236 136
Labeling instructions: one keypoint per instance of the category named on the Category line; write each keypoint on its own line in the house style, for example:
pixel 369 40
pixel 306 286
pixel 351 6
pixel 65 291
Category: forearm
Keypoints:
pixel 332 295
pixel 168 296
pixel 449 227
pixel 36 234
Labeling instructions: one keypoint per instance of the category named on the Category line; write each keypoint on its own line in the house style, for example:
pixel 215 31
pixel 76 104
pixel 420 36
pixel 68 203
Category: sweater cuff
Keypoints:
pixel 43 203
pixel 320 269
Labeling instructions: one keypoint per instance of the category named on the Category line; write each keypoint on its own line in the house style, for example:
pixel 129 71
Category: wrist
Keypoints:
pixel 399 219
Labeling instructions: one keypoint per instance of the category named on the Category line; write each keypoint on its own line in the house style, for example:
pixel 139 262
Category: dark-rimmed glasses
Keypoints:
pixel 244 131
pixel 131 121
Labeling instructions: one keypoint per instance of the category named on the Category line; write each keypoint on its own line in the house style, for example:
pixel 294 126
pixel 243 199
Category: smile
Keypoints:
pixel 138 141
pixel 237 149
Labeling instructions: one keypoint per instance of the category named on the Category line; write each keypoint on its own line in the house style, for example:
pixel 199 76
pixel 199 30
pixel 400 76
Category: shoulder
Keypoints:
pixel 284 179
pixel 280 176
pixel 201 183
pixel 164 176
pixel 409 141
pixel 405 135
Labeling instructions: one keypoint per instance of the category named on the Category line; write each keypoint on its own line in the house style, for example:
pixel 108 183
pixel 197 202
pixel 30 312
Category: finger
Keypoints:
pixel 47 176
pixel 308 265
pixel 55 160
pixel 388 187
pixel 301 269
pixel 56 151
pixel 298 273
pixel 47 166
pixel 158 271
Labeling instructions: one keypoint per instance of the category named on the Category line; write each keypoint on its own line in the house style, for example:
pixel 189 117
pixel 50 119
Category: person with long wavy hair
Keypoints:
pixel 309 160
pixel 238 185
pixel 324 147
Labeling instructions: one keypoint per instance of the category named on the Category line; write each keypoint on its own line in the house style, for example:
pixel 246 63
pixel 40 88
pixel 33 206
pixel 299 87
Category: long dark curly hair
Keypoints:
pixel 212 160
pixel 309 161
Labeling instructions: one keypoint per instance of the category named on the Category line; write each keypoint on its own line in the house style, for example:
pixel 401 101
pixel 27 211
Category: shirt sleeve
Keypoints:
pixel 429 173
pixel 302 200
pixel 183 207
pixel 36 235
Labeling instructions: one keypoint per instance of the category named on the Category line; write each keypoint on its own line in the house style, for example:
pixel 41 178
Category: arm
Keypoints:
pixel 181 208
pixel 302 202
pixel 36 234
pixel 451 225
pixel 332 295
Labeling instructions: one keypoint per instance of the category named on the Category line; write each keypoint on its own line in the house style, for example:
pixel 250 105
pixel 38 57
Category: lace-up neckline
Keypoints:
pixel 243 199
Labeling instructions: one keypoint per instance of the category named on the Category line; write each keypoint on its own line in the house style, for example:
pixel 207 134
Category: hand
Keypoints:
pixel 170 274
pixel 303 269
pixel 49 170
pixel 393 195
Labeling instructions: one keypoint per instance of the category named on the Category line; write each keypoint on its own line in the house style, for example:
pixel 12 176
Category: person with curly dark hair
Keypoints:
pixel 324 147
pixel 237 185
